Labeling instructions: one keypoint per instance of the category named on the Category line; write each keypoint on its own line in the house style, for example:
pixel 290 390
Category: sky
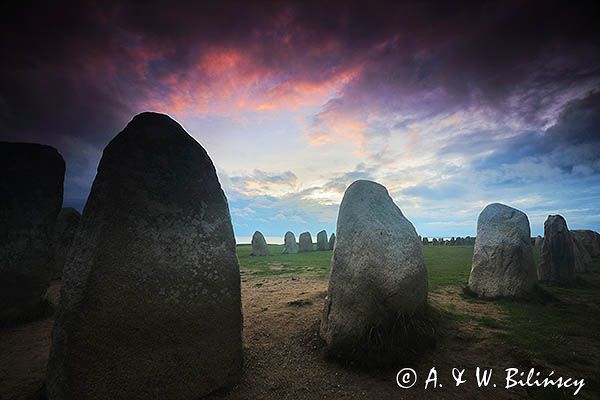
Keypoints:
pixel 450 105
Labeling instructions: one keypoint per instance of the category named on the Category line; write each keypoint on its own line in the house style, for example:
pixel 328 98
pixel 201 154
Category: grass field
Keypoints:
pixel 561 335
pixel 447 265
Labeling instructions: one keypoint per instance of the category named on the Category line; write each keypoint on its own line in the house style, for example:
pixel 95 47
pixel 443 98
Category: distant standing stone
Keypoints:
pixel 378 274
pixel 557 264
pixel 331 241
pixel 150 305
pixel 289 244
pixel 305 243
pixel 259 245
pixel 65 229
pixel 31 194
pixel 322 242
pixel 425 241
pixel 539 241
pixel 503 263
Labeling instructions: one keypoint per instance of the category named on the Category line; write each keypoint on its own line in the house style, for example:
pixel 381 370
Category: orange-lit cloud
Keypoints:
pixel 228 80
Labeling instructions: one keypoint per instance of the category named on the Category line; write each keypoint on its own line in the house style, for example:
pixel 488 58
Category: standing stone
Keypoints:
pixel 583 260
pixel 503 263
pixel 259 245
pixel 305 243
pixel 150 305
pixel 289 244
pixel 65 228
pixel 425 241
pixel 590 240
pixel 378 275
pixel 322 242
pixel 557 264
pixel 331 241
pixel 434 242
pixel 31 194
pixel 539 241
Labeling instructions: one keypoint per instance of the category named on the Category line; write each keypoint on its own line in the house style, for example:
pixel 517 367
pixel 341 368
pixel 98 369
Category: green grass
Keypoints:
pixel 447 265
pixel 560 335
pixel 315 263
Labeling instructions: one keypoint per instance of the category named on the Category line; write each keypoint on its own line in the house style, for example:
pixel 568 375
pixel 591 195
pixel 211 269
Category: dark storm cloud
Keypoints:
pixel 572 144
pixel 521 60
pixel 75 66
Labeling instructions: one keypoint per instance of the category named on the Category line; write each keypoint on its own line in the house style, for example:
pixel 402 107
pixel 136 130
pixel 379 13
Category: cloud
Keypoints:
pixel 263 183
pixel 571 144
pixel 437 191
pixel 450 105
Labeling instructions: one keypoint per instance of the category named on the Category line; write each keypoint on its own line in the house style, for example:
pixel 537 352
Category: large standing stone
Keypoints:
pixel 590 240
pixel 503 263
pixel 539 241
pixel 378 275
pixel 305 243
pixel 583 260
pixel 289 244
pixel 557 264
pixel 150 306
pixel 331 241
pixel 31 193
pixel 259 245
pixel 65 228
pixel 322 242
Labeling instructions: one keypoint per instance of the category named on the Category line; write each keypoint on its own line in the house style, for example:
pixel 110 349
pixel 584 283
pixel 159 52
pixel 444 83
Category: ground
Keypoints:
pixel 285 359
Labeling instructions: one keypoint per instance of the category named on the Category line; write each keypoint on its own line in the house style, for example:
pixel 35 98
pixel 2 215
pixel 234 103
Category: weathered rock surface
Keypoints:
pixel 331 241
pixel 259 245
pixel 557 264
pixel 65 228
pixel 378 275
pixel 31 194
pixel 503 263
pixel 305 243
pixel 590 240
pixel 583 260
pixel 322 242
pixel 289 243
pixel 150 305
